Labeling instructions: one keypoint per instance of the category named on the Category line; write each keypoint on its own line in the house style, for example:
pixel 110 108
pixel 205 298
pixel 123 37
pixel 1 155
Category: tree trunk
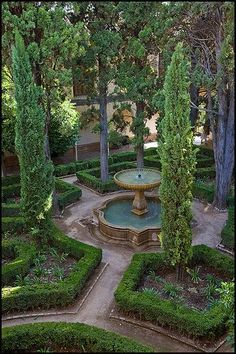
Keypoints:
pixel 139 134
pixel 4 172
pixel 194 93
pixel 223 133
pixel 179 272
pixel 103 123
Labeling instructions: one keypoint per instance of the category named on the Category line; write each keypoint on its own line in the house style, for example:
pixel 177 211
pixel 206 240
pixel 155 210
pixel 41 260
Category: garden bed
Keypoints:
pixel 167 312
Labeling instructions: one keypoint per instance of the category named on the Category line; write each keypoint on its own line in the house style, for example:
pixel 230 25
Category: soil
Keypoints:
pixel 191 293
pixel 48 266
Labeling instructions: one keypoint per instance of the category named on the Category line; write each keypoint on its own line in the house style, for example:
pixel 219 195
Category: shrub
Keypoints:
pixel 71 336
pixel 166 312
pixel 70 193
pixel 59 293
pixel 205 151
pixel 205 172
pixel 228 232
pixel 10 191
pixel 92 179
pixel 13 224
pixel 10 209
pixel 24 254
pixel 205 162
pixel 152 161
pixel 8 180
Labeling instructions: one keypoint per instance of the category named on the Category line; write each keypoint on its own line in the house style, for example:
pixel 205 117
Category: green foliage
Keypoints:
pixel 70 336
pixel 150 291
pixel 171 290
pixel 194 274
pixel 178 162
pixel 92 179
pixel 35 172
pixel 228 232
pixel 13 224
pixel 68 193
pixel 59 293
pixel 164 312
pixel 23 253
pixel 63 128
pixel 10 209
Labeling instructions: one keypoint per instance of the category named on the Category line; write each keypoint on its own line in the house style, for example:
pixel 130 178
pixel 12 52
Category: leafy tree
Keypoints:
pixel 178 162
pixel 102 21
pixel 35 172
pixel 136 78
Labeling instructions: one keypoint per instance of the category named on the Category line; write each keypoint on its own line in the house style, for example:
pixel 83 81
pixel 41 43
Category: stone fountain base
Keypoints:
pixel 136 237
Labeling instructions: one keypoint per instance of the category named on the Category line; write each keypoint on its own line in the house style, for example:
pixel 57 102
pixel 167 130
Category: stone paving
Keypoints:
pixel 97 306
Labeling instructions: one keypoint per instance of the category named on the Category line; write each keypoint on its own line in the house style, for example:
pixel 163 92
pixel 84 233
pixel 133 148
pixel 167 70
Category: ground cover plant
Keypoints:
pixel 149 290
pixel 66 337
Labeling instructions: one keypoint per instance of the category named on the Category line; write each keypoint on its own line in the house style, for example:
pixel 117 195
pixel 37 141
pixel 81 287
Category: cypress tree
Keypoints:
pixel 178 161
pixel 35 172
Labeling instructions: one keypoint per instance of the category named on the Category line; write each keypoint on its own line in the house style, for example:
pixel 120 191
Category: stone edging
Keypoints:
pixel 161 330
pixel 75 308
pixel 224 249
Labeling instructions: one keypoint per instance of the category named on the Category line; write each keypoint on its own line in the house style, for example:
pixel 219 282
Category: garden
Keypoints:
pixel 130 250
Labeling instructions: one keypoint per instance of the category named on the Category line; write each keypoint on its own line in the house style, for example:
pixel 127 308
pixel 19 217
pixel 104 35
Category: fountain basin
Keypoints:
pixel 118 222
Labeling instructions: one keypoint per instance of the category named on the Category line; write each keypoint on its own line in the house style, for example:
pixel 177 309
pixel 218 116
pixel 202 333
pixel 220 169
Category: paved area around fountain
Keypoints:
pixel 97 306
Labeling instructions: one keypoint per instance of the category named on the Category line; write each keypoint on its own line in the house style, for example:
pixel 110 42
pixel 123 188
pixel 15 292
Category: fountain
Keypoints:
pixel 132 219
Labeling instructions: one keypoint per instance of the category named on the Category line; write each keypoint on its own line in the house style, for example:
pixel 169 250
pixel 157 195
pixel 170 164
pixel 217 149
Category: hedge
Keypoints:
pixel 10 191
pixel 24 254
pixel 209 323
pixel 205 151
pixel 205 162
pixel 152 161
pixel 228 232
pixel 69 336
pixel 13 224
pixel 209 172
pixel 60 293
pixel 9 180
pixel 79 166
pixel 10 209
pixel 91 177
pixel 69 193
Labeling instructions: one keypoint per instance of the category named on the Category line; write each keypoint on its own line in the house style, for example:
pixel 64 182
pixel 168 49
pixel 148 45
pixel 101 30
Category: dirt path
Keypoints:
pixel 97 306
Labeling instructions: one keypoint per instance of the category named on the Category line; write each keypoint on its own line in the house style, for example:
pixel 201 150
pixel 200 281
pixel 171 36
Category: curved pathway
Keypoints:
pixel 97 306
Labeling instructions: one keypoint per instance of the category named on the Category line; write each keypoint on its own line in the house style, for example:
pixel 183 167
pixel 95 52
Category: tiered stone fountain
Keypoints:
pixel 135 220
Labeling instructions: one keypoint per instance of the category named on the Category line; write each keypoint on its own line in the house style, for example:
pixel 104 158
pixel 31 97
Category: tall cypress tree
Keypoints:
pixel 35 172
pixel 178 163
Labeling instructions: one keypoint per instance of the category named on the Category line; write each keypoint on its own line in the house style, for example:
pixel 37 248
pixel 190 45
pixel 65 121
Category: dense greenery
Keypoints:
pixel 35 172
pixel 178 161
pixel 60 293
pixel 165 312
pixel 71 336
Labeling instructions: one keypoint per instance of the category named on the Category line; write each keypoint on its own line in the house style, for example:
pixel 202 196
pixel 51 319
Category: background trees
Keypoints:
pixel 36 173
pixel 178 162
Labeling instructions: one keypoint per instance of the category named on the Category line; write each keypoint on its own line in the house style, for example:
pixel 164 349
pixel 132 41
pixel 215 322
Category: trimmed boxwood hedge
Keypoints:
pixel 9 180
pixel 13 224
pixel 205 151
pixel 24 254
pixel 228 232
pixel 10 209
pixel 79 166
pixel 62 292
pixel 68 193
pixel 209 323
pixel 69 336
pixel 92 179
pixel 10 191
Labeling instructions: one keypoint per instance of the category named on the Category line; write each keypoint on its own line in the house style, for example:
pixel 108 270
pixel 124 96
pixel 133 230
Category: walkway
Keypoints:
pixel 96 308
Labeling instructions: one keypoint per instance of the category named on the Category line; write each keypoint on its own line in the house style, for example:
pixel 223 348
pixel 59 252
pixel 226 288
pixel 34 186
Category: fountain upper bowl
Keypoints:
pixel 138 179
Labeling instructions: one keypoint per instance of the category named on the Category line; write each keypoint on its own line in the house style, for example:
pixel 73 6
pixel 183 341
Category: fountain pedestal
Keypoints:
pixel 139 203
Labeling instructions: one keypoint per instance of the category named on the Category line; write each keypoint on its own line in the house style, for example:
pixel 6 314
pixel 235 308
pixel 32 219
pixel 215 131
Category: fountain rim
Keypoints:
pixel 135 187
pixel 99 212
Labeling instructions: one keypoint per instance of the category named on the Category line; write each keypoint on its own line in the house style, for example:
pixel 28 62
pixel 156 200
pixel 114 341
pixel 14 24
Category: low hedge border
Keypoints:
pixel 91 177
pixel 24 254
pixel 9 191
pixel 60 293
pixel 164 312
pixel 204 192
pixel 9 180
pixel 79 166
pixel 228 232
pixel 10 209
pixel 70 336
pixel 13 224
pixel 206 151
pixel 68 193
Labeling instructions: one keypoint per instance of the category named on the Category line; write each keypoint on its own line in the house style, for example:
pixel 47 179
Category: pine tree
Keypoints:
pixel 178 163
pixel 36 174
